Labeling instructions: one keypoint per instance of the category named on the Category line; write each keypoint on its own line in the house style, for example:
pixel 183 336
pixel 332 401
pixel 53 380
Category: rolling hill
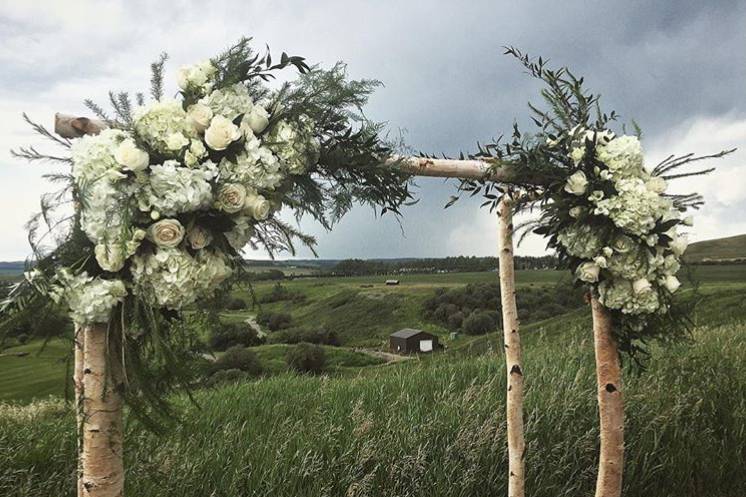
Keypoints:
pixel 729 249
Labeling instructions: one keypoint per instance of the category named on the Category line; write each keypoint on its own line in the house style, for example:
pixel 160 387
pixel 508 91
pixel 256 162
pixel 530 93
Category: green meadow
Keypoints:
pixel 431 426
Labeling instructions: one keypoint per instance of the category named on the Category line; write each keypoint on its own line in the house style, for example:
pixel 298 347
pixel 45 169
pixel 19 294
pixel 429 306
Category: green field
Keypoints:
pixel 432 426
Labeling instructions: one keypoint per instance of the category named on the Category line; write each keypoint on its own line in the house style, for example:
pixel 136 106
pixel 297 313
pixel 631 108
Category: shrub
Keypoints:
pixel 455 320
pixel 297 335
pixel 238 358
pixel 22 338
pixel 225 335
pixel 478 323
pixel 280 294
pixel 235 304
pixel 306 358
pixel 225 376
pixel 274 320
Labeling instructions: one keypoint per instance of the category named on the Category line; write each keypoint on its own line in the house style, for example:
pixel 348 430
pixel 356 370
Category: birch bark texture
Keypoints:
pixel 610 403
pixel 513 365
pixel 78 369
pixel 103 467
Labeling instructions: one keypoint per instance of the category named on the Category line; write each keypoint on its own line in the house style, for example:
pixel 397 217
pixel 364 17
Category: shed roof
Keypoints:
pixel 407 333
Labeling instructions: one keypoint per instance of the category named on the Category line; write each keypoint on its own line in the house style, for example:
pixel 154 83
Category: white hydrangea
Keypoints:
pixel 635 208
pixel 628 296
pixel 241 233
pixel 164 126
pixel 93 156
pixel 172 189
pixel 295 148
pixel 229 102
pixel 90 300
pixel 257 167
pixel 581 241
pixel 172 278
pixel 622 155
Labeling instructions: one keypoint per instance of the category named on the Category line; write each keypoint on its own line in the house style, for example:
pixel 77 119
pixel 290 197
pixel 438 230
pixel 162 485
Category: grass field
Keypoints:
pixel 432 427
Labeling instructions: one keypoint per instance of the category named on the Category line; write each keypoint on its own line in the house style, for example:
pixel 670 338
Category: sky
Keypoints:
pixel 677 68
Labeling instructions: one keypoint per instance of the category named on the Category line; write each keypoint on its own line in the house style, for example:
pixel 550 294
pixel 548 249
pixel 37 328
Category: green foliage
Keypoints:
pixel 226 335
pixel 317 336
pixel 281 293
pixel 479 302
pixel 478 323
pixel 240 358
pixel 306 358
pixel 274 320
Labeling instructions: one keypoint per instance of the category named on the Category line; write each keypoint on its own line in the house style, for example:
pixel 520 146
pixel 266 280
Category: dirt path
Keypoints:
pixel 386 356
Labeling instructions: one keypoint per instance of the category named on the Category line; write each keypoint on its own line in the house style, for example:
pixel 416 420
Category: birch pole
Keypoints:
pixel 78 369
pixel 513 365
pixel 103 467
pixel 610 404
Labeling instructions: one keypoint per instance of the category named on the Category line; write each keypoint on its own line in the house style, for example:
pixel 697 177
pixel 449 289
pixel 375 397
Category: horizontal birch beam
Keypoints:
pixel 68 126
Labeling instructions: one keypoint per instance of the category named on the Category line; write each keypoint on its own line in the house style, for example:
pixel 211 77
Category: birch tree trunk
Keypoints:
pixel 103 468
pixel 514 403
pixel 79 396
pixel 610 404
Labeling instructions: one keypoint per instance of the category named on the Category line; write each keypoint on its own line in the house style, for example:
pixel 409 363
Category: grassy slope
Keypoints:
pixel 36 375
pixel 733 247
pixel 432 427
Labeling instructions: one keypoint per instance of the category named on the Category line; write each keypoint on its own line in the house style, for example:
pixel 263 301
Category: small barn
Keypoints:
pixel 410 341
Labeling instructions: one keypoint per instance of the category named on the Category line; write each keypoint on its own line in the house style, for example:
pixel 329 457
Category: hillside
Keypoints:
pixel 431 427
pixel 728 249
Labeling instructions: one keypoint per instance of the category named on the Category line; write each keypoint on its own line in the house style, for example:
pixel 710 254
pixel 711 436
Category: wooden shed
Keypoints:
pixel 409 341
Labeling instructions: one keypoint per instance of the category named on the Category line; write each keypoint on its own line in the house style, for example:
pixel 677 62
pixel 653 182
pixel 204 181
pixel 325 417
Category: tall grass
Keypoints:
pixel 429 428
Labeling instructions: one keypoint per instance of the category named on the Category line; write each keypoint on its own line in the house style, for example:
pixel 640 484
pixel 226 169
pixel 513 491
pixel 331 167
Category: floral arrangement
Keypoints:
pixel 608 216
pixel 170 193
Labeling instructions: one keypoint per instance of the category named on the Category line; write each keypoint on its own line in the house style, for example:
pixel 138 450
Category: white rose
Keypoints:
pixel 109 257
pixel 588 271
pixel 198 237
pixel 167 233
pixel 221 133
pixel 577 183
pixel 131 157
pixel 601 261
pixel 231 198
pixel 672 283
pixel 257 119
pixel 199 116
pixel 656 184
pixel 623 244
pixel 196 75
pixel 258 207
pixel 176 141
pixel 678 245
pixel 596 196
pixel 576 212
pixel 577 154
pixel 641 286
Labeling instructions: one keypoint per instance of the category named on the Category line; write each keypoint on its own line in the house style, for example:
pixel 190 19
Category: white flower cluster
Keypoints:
pixel 90 300
pixel 638 266
pixel 156 206
pixel 172 278
pixel 163 126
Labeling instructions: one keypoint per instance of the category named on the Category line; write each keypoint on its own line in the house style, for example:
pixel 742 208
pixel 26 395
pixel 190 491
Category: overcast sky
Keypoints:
pixel 678 68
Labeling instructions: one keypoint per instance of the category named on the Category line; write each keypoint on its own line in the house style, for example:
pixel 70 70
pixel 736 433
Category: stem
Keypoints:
pixel 610 404
pixel 103 468
pixel 513 366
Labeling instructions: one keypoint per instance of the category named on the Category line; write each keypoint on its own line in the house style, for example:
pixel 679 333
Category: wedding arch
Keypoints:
pixel 165 198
